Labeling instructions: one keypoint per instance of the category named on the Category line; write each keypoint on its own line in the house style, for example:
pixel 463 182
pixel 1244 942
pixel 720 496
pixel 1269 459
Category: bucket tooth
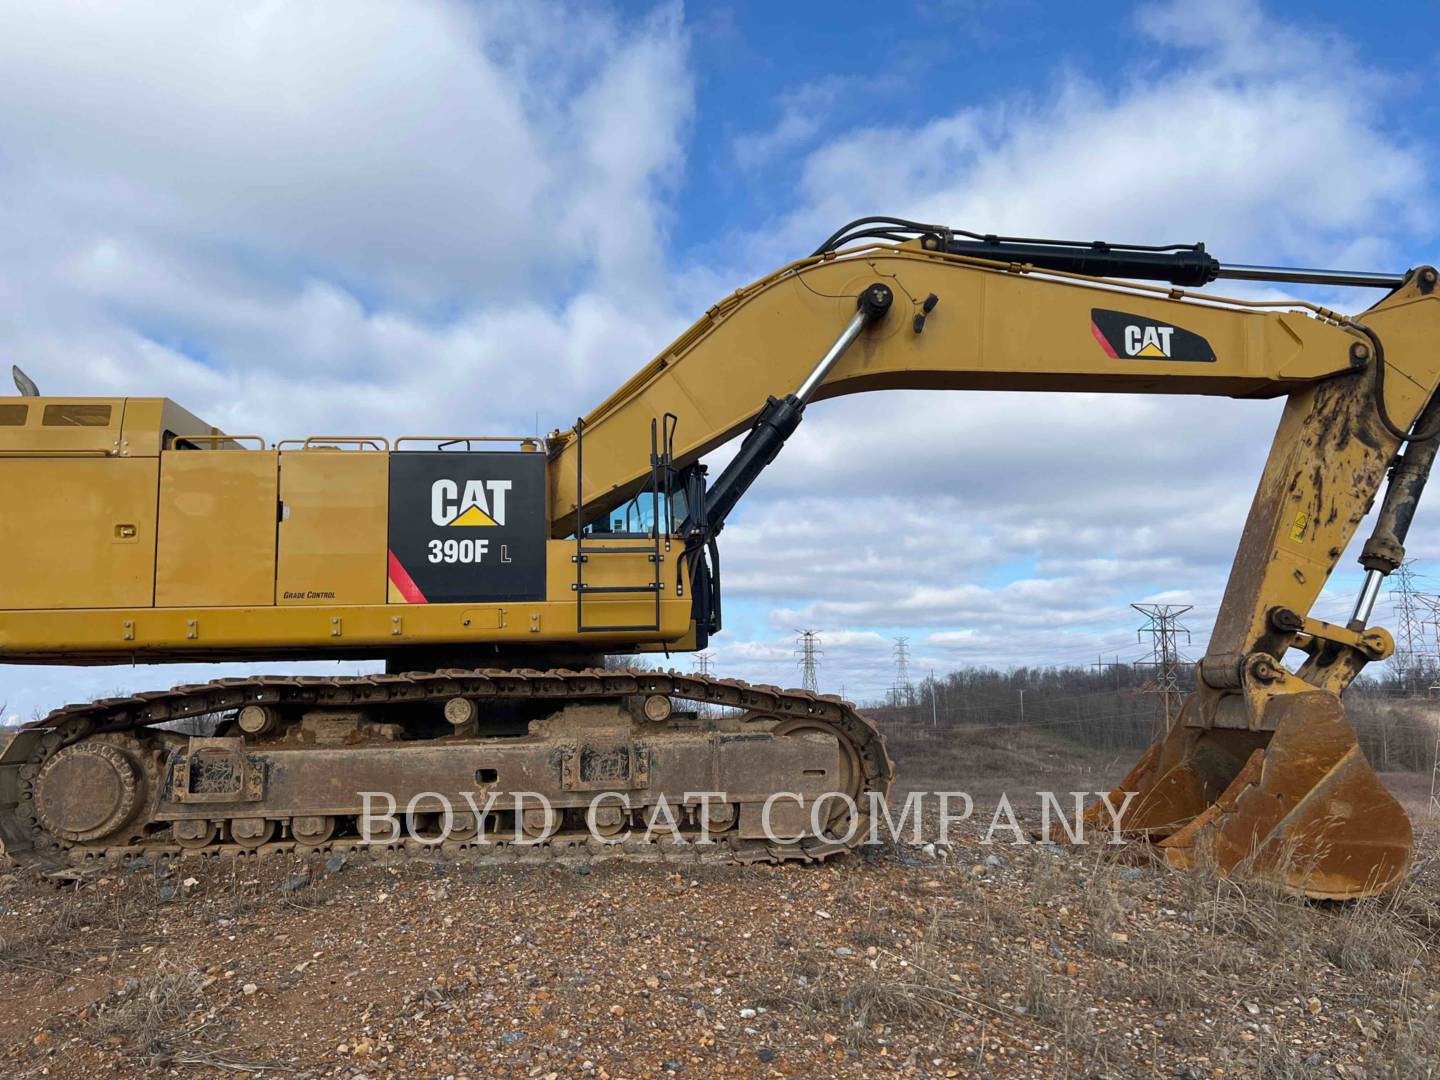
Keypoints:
pixel 1303 802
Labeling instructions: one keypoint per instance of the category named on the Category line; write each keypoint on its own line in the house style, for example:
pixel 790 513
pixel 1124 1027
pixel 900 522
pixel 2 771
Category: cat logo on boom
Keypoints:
pixel 451 504
pixel 1124 336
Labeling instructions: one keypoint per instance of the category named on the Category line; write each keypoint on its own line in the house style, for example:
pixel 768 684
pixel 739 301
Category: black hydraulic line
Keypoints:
pixel 1179 264
pixel 1384 550
pixel 1190 266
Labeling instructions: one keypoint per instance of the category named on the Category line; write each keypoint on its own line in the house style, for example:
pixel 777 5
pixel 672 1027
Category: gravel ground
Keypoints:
pixel 970 960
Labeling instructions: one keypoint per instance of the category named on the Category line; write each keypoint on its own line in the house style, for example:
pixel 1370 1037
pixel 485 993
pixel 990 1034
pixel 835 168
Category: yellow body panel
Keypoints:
pixel 332 527
pixel 77 532
pixel 217 528
pixel 146 633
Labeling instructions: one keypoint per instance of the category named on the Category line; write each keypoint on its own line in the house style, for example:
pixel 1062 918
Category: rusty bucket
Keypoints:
pixel 1298 800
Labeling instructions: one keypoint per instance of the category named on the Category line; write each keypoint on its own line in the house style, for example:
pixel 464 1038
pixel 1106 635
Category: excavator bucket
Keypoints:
pixel 1298 800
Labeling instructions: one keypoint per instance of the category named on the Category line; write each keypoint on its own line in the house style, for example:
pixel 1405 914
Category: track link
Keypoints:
pixel 30 845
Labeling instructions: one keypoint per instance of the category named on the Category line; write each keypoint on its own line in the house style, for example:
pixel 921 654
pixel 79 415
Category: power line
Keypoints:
pixel 809 652
pixel 704 663
pixel 1406 601
pixel 901 689
pixel 1163 626
pixel 1114 665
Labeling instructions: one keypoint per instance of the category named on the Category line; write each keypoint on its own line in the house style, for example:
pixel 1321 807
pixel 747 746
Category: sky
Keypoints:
pixel 389 217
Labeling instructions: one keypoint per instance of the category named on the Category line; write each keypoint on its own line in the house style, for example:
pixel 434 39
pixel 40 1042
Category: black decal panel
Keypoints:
pixel 1135 337
pixel 466 527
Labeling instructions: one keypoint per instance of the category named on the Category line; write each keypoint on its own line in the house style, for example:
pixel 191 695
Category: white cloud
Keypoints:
pixel 288 218
pixel 802 118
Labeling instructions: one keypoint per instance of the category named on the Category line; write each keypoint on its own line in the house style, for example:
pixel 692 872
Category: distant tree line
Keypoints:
pixel 1116 707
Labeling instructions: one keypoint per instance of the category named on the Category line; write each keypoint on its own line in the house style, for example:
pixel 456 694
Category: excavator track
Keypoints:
pixel 84 768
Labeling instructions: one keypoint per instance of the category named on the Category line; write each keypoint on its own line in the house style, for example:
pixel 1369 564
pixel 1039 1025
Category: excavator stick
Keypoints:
pixel 1261 770
pixel 1300 802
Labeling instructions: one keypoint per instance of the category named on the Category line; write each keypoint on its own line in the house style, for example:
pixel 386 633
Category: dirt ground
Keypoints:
pixel 972 960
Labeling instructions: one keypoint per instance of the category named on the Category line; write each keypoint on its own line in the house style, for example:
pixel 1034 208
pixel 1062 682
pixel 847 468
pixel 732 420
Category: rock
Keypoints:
pixel 40 1039
pixel 929 849
pixel 296 882
pixel 844 950
pixel 1313 1005
pixel 583 869
pixel 747 1014
pixel 977 870
pixel 1252 1008
pixel 168 893
pixel 335 862
pixel 1131 873
pixel 994 860
pixel 510 1038
pixel 765 1054
pixel 249 989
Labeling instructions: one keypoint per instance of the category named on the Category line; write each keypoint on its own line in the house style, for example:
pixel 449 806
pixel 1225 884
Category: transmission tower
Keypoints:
pixel 902 689
pixel 1408 605
pixel 1431 621
pixel 807 648
pixel 1163 626
pixel 704 663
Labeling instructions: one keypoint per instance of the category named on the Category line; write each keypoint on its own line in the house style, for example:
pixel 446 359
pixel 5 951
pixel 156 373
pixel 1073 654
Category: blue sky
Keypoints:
pixel 301 218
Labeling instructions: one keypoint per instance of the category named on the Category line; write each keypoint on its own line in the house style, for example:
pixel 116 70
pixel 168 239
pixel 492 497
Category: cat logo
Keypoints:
pixel 1124 336
pixel 1148 340
pixel 452 505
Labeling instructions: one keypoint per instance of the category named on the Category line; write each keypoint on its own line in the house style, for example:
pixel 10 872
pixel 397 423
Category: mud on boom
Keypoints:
pixel 493 574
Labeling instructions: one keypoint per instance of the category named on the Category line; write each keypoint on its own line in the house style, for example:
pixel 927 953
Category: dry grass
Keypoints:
pixel 78 926
pixel 156 1008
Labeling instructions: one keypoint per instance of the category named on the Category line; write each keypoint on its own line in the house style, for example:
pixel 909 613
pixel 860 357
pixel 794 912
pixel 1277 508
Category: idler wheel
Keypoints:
pixel 87 791
pixel 851 779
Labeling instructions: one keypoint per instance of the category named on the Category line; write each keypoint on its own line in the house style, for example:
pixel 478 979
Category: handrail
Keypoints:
pixel 531 441
pixel 335 442
pixel 217 440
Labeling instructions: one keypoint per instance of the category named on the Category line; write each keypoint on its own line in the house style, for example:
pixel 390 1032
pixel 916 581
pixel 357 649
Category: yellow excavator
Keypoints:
pixel 494 574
